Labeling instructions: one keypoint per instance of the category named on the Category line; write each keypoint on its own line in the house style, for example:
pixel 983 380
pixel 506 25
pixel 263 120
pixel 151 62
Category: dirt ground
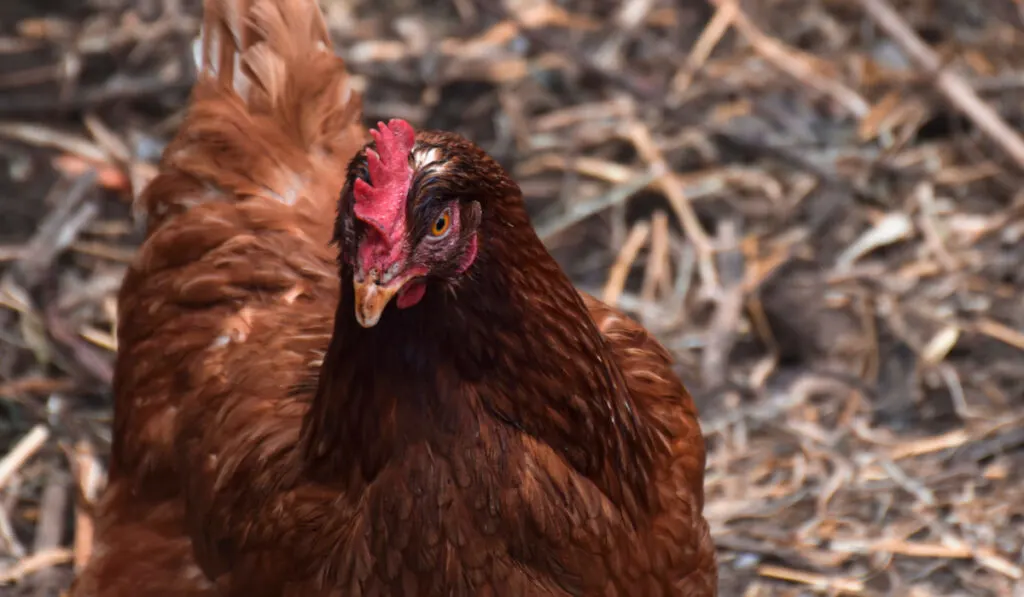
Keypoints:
pixel 815 204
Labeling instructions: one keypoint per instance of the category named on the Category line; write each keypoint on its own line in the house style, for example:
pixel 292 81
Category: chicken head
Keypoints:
pixel 411 222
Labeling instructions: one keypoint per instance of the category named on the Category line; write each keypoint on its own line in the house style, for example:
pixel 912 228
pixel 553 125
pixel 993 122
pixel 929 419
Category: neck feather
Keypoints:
pixel 511 341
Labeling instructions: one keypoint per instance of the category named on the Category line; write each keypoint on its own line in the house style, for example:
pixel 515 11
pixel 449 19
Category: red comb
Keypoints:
pixel 379 203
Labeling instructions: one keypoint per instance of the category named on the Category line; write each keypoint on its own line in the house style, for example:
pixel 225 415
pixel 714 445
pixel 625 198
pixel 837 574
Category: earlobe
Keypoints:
pixel 470 255
pixel 473 216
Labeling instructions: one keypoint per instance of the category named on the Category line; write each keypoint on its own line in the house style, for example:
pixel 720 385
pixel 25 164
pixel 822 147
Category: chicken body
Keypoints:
pixel 267 445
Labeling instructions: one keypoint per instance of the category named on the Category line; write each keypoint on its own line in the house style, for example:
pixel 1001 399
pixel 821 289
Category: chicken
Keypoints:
pixel 410 399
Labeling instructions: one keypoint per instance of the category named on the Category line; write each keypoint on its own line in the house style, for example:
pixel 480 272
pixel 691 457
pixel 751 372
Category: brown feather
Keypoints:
pixel 506 437
pixel 239 221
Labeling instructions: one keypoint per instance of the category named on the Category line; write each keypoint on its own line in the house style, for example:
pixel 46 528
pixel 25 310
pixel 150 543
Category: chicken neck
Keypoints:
pixel 509 347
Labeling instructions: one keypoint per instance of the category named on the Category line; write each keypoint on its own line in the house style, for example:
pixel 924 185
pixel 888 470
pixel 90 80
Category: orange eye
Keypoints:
pixel 441 224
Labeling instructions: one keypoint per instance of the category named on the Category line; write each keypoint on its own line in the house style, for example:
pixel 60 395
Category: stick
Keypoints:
pixel 644 143
pixel 50 529
pixel 953 87
pixel 26 447
pixel 627 255
pixel 796 64
pixel 616 195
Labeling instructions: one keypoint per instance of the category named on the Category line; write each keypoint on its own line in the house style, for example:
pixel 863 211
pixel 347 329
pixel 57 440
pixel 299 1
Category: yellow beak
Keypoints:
pixel 372 299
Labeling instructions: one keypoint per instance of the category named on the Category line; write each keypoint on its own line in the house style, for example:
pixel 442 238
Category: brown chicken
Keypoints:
pixel 410 400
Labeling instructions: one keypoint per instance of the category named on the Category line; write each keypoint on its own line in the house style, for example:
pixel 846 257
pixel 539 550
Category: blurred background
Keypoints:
pixel 815 204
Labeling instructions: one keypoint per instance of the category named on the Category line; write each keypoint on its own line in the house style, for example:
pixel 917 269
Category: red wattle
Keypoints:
pixel 411 293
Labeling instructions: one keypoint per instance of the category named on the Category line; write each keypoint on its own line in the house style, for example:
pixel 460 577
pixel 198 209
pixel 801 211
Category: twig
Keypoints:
pixel 709 38
pixel 34 134
pixel 33 564
pixel 91 361
pixel 646 147
pixel 816 581
pixel 657 278
pixel 12 253
pixel 636 86
pixel 89 477
pixel 722 331
pixel 1001 332
pixel 627 255
pixel 118 88
pixel 50 529
pixel 14 546
pixel 22 451
pixel 582 211
pixel 35 385
pixel 953 87
pixel 57 231
pixel 75 209
pixel 797 65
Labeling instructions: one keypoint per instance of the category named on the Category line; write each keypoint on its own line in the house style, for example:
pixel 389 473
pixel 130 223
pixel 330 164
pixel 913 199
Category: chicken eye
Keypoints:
pixel 441 224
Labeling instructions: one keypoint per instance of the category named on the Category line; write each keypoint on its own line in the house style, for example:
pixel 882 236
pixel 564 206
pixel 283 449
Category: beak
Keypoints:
pixel 372 299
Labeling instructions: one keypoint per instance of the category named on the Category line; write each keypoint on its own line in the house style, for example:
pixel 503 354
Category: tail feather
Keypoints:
pixel 244 43
pixel 273 115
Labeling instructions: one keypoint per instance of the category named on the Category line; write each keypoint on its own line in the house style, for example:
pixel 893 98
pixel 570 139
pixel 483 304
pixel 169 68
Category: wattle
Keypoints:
pixel 411 293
